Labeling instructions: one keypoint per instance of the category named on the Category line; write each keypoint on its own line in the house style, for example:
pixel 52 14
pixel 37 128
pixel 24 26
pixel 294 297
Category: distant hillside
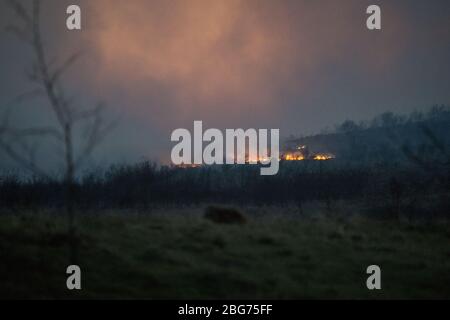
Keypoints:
pixel 387 138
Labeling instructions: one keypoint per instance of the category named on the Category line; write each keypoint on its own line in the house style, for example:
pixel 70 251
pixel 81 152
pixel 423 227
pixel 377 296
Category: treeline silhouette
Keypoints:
pixel 388 189
pixel 406 177
pixel 385 138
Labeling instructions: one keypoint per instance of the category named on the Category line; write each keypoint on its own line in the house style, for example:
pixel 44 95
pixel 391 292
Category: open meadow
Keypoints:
pixel 177 253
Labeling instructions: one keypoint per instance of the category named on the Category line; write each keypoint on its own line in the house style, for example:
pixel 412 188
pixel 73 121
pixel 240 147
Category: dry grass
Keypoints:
pixel 179 254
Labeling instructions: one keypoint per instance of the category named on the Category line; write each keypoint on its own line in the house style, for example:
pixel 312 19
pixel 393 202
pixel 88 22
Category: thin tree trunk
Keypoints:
pixel 70 191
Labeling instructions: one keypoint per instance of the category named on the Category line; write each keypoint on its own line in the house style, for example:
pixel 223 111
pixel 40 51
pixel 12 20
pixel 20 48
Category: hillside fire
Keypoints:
pixel 293 156
pixel 299 153
pixel 317 157
pixel 302 152
pixel 323 156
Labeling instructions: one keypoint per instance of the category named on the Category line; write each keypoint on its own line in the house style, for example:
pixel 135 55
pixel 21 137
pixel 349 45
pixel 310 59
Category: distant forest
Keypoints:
pixel 386 139
pixel 389 165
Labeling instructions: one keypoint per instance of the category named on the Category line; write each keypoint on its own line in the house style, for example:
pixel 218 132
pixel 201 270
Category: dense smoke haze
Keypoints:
pixel 300 66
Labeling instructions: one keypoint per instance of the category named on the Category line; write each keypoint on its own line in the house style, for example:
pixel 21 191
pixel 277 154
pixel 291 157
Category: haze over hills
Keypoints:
pixel 387 138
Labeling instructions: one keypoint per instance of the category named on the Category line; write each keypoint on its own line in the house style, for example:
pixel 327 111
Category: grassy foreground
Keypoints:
pixel 184 256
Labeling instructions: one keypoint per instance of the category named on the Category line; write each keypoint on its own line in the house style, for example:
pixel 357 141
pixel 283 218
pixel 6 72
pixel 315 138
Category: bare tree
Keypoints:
pixel 46 77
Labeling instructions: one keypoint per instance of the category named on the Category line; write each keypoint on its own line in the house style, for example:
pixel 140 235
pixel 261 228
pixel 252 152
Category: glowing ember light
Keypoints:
pixel 287 156
pixel 323 156
pixel 294 157
pixel 188 166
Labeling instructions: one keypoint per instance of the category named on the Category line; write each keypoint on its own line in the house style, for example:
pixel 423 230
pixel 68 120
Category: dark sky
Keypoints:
pixel 300 66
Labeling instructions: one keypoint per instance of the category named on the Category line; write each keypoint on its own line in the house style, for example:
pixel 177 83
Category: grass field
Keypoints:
pixel 181 255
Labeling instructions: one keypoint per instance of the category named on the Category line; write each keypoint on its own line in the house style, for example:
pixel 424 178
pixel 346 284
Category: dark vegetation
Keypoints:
pixel 225 232
pixel 408 174
pixel 388 139
pixel 173 254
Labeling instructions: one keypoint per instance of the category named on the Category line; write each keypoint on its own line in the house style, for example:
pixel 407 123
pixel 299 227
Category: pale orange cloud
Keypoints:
pixel 228 60
pixel 210 53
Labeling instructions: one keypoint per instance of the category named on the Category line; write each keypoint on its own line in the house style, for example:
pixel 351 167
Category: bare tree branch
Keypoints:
pixel 20 11
pixel 34 131
pixel 48 79
pixel 67 64
pixel 95 135
pixel 18 158
pixel 438 144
